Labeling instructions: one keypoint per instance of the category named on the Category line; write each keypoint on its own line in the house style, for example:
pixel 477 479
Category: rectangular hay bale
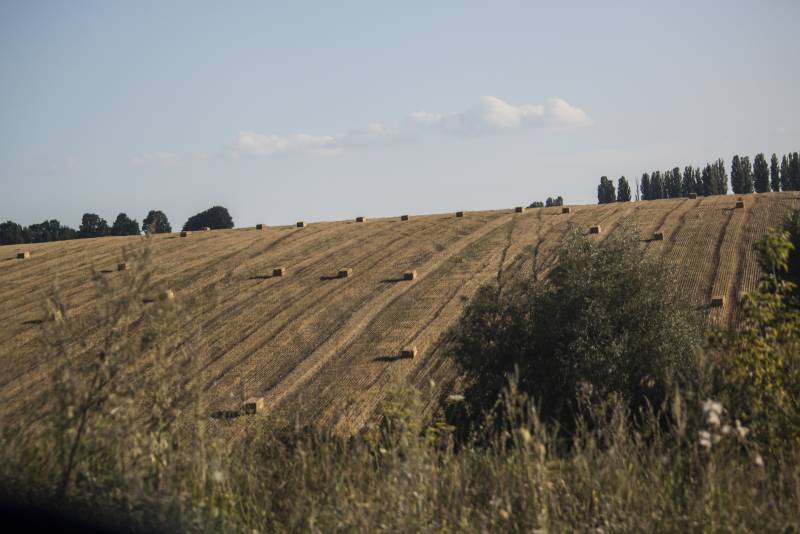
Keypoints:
pixel 301 224
pixel 692 195
pixel 404 217
pixel 410 275
pixel 595 229
pixel 279 271
pixel 254 405
pixel 717 302
pixel 519 209
pixel 186 234
pixel 408 352
pixel 23 255
pixel 344 272
pixel 261 227
pixel 566 209
pixel 459 214
pixel 658 236
pixel 122 266
pixel 740 203
pixel 361 219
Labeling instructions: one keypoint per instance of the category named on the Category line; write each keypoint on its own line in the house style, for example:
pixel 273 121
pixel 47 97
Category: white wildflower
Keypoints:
pixel 712 406
pixel 725 430
pixel 758 460
pixel 217 475
pixel 704 438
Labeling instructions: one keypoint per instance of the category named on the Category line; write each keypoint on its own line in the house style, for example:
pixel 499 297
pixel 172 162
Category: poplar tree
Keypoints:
pixel 747 175
pixel 794 171
pixel 644 186
pixel 786 181
pixel 623 190
pixel 774 176
pixel 761 174
pixel 736 175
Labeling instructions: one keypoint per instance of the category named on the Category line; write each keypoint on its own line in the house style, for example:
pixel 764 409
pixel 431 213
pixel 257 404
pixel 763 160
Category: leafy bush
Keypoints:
pixel 607 321
pixel 216 218
pixel 759 365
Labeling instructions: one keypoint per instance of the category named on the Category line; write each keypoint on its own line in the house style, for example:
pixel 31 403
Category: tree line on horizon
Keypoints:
pixel 758 177
pixel 92 225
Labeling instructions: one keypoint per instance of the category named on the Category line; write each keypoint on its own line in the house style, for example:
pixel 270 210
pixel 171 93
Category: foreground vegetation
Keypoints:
pixel 125 433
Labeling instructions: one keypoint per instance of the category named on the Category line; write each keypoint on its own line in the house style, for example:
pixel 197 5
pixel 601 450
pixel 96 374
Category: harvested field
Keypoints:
pixel 327 352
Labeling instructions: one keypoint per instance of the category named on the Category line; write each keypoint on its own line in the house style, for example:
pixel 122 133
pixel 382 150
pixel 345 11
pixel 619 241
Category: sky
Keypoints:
pixel 287 111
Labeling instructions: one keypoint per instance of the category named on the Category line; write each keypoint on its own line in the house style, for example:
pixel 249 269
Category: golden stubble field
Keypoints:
pixel 323 349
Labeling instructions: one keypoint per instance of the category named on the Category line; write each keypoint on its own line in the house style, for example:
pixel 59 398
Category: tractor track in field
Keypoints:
pixel 319 299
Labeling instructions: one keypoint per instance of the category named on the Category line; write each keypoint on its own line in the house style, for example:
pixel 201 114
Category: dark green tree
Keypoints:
pixel 156 222
pixel 794 171
pixel 737 180
pixel 559 201
pixel 536 204
pixel 123 225
pixel 760 174
pixel 605 191
pixel 549 202
pixel 687 181
pixel 92 225
pixel 786 179
pixel 644 187
pixel 656 186
pixel 623 190
pixel 216 218
pixel 707 181
pixel 675 183
pixel 774 173
pixel 747 175
pixel 11 233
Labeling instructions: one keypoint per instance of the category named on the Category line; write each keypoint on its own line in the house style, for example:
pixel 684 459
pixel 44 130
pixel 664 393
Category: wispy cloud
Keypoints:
pixel 489 115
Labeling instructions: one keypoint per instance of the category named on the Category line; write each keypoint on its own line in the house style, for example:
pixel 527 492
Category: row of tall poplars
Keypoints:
pixel 760 176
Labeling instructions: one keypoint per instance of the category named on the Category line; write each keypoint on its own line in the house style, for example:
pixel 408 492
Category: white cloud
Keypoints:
pixel 269 145
pixel 494 114
pixel 490 114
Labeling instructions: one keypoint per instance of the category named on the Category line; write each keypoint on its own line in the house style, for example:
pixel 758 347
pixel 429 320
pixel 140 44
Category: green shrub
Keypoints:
pixel 607 321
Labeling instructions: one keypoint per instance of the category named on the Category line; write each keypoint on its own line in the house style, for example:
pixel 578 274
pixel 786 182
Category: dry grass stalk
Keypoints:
pixel 279 271
pixel 717 302
pixel 566 209
pixel 254 405
pixel 345 272
pixel 23 255
pixel 410 275
pixel 595 229
pixel 408 352
pixel 301 224
pixel 404 217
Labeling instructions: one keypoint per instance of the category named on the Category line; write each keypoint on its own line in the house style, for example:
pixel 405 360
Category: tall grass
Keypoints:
pixel 124 433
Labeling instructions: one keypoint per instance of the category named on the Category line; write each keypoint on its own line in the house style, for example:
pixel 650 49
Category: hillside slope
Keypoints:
pixel 322 348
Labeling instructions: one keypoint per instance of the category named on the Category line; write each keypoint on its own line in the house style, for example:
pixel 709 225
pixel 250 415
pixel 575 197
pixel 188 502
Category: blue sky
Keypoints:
pixel 284 111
